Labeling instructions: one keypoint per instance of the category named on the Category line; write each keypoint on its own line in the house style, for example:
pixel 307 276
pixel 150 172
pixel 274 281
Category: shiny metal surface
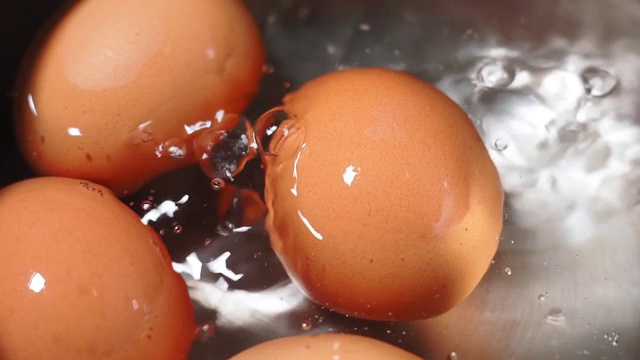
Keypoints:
pixel 553 88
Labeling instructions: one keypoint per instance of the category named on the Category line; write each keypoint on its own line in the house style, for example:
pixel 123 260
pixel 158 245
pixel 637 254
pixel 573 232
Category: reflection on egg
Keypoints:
pixel 83 278
pixel 325 347
pixel 383 201
pixel 117 88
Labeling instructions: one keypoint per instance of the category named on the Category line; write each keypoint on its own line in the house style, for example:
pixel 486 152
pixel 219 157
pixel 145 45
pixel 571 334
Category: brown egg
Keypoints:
pixel 119 85
pixel 383 201
pixel 325 347
pixel 83 278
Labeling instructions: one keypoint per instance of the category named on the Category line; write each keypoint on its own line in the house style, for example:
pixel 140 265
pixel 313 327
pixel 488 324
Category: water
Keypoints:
pixel 598 82
pixel 173 148
pixel 224 153
pixel 495 74
pixel 558 117
pixel 556 317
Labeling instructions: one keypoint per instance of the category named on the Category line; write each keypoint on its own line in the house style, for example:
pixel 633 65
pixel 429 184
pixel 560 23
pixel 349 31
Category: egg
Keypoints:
pixel 83 278
pixel 119 89
pixel 383 202
pixel 325 347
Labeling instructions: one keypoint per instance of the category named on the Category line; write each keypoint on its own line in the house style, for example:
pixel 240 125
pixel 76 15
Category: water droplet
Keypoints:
pixel 453 356
pixel 495 74
pixel 500 145
pixel 555 316
pixel 206 331
pixel 217 184
pixel 146 205
pixel 613 337
pixel 177 229
pixel 365 27
pixel 268 69
pixel 507 270
pixel 173 148
pixel 541 297
pixel 598 82
pixel 224 153
pixel 306 325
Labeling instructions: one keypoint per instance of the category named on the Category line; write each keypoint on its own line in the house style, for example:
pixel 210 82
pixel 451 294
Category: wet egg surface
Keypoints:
pixel 325 347
pixel 83 278
pixel 119 88
pixel 383 202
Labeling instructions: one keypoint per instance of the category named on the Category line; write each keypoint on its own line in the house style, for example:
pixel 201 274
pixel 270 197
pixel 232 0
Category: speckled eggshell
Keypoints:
pixel 116 79
pixel 325 347
pixel 383 201
pixel 83 278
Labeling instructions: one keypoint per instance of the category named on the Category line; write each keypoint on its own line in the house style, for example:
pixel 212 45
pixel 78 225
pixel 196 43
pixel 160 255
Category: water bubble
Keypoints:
pixel 500 145
pixel 206 331
pixel 495 74
pixel 266 127
pixel 268 69
pixel 365 27
pixel 555 316
pixel 306 325
pixel 613 337
pixel 598 82
pixel 146 205
pixel 507 270
pixel 173 148
pixel 177 229
pixel 217 184
pixel 224 153
pixel 452 356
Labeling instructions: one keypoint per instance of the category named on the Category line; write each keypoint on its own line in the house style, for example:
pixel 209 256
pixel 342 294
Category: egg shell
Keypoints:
pixel 383 201
pixel 117 79
pixel 325 347
pixel 83 278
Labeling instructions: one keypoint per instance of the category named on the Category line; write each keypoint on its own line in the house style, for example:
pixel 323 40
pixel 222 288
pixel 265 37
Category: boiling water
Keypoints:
pixel 552 88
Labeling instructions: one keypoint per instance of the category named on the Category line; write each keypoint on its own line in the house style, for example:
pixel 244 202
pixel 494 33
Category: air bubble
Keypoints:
pixel 500 145
pixel 306 325
pixel 146 205
pixel 268 69
pixel 224 153
pixel 172 148
pixel 266 127
pixel 217 184
pixel 365 27
pixel 598 82
pixel 453 356
pixel 495 74
pixel 555 316
pixel 541 297
pixel 507 270
pixel 206 331
pixel 177 229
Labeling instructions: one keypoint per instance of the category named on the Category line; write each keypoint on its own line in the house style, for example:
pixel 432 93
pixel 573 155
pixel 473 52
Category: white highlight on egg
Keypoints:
pixel 37 282
pixel 308 225
pixel 190 129
pixel 32 105
pixel 294 189
pixel 350 174
pixel 73 131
